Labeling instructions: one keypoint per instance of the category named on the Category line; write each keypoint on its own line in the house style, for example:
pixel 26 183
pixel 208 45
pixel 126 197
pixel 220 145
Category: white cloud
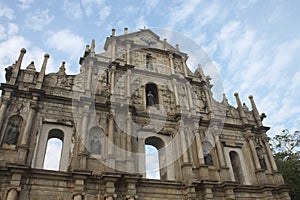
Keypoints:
pixel 2 32
pixel 25 4
pixel 229 30
pixel 37 55
pixel 103 13
pixel 9 49
pixel 66 42
pixel 140 22
pixel 12 29
pixel 97 8
pixel 256 66
pixel 39 19
pixel 207 14
pixel 6 12
pixel 9 52
pixel 72 10
pixel 6 32
pixel 181 12
pixel 150 5
pixel 87 6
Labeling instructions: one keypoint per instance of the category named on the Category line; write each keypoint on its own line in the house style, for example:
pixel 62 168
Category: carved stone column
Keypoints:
pixel 128 86
pixel 89 78
pixel 84 127
pixel 171 63
pixel 5 102
pixel 112 78
pixel 199 148
pixel 269 152
pixel 110 189
pixel 208 100
pixel 113 50
pixel 255 111
pixel 129 158
pixel 207 193
pixel 250 136
pixel 240 108
pixel 143 89
pixel 174 83
pixel 220 151
pixel 184 66
pixel 186 166
pixel 131 189
pixel 42 72
pixel 189 93
pixel 219 145
pixel 77 197
pixel 17 67
pixel 12 194
pixel 184 148
pixel 127 53
pixel 110 142
pixel 23 147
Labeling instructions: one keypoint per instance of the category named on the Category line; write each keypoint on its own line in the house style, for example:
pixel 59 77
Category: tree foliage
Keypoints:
pixel 286 147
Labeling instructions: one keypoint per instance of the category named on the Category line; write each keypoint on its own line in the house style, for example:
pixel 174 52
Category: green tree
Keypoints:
pixel 286 147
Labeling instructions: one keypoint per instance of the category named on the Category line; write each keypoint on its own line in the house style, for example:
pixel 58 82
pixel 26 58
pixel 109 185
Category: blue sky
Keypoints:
pixel 254 44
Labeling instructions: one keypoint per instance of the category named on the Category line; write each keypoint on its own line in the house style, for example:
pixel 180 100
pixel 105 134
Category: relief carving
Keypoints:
pixel 59 79
pixel 102 86
pixel 168 99
pixel 178 66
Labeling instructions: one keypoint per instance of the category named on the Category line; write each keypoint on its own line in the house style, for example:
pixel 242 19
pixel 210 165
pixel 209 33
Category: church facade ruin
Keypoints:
pixel 138 92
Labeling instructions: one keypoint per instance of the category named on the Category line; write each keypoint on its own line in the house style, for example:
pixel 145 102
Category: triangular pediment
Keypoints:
pixel 143 38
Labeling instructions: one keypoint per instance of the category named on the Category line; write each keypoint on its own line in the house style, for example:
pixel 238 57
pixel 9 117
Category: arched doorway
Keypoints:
pixel 157 151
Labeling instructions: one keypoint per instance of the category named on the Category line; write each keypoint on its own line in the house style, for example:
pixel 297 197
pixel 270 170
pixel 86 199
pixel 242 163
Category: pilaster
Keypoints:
pixel 24 147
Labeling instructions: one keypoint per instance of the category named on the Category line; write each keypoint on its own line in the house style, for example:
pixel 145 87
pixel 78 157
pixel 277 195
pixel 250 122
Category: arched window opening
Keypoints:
pixel 236 167
pixel 149 59
pixel 261 158
pixel 53 150
pixel 159 167
pixel 151 94
pixel 96 133
pixel 152 162
pixel 53 154
pixel 13 130
pixel 207 148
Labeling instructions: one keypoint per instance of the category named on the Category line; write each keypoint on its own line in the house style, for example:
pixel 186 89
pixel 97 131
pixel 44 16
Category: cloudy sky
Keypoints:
pixel 254 44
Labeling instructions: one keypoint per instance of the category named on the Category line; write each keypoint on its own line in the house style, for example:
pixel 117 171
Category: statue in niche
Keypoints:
pixel 95 145
pixel 262 162
pixel 12 134
pixel 150 98
pixel 208 159
pixel 8 73
pixel 149 60
pixel 261 159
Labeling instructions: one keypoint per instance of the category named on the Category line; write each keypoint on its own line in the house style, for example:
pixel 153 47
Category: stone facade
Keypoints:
pixel 138 92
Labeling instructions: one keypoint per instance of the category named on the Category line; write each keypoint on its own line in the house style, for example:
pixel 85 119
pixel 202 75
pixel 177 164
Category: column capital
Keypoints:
pixel 33 104
pixel 16 188
pixel 5 100
pixel 265 138
pixel 249 135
